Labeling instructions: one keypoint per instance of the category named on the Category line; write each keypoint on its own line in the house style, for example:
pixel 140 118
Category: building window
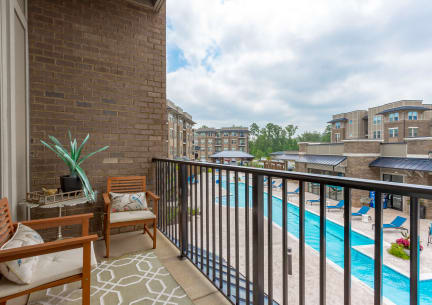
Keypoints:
pixel 225 141
pixel 234 134
pixel 412 132
pixel 393 132
pixel 210 141
pixel 377 134
pixel 233 141
pixel 241 134
pixel 377 119
pixel 394 117
pixel 218 135
pixel 202 141
pixel 225 148
pixel 226 134
pixel 338 125
pixel 337 137
pixel 413 116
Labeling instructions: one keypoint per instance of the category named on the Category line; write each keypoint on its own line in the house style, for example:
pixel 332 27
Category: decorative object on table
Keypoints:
pixel 401 248
pixel 42 198
pixel 49 191
pixel 77 178
pixel 58 263
pixel 129 185
pixel 151 284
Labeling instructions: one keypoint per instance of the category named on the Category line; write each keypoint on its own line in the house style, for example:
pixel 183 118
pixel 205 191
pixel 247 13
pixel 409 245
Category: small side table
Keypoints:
pixel 59 205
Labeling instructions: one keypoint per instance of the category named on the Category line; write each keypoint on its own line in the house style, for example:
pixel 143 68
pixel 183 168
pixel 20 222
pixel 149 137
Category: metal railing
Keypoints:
pixel 194 204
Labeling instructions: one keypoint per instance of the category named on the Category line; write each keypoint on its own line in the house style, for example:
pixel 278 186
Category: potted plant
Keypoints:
pixel 77 178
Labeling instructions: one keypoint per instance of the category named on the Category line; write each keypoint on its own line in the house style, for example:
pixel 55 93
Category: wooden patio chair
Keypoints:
pixel 131 184
pixel 60 262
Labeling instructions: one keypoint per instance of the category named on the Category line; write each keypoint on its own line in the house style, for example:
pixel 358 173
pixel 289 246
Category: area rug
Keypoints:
pixel 134 279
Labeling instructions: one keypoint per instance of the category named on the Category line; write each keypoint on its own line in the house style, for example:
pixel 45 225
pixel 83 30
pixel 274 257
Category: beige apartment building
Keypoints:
pixel 391 122
pixel 391 142
pixel 180 132
pixel 209 141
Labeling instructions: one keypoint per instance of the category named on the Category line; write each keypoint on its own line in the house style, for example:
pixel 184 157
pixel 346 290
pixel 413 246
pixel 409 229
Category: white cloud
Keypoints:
pixel 296 62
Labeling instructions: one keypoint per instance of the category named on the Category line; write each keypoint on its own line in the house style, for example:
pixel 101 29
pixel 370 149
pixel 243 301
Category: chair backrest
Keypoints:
pixel 430 229
pixel 398 221
pixel 340 203
pixel 364 209
pixel 131 184
pixel 6 225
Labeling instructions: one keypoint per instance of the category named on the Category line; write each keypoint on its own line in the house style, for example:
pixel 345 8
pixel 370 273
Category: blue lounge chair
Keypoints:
pixel 430 235
pixel 395 224
pixel 338 206
pixel 279 186
pixel 295 192
pixel 312 201
pixel 363 211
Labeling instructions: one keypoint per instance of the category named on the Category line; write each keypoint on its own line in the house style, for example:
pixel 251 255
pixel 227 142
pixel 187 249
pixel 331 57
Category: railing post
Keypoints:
pixel 258 239
pixel 378 249
pixel 183 195
pixel 415 249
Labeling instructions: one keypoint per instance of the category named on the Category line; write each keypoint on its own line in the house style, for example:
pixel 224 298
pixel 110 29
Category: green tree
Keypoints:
pixel 272 138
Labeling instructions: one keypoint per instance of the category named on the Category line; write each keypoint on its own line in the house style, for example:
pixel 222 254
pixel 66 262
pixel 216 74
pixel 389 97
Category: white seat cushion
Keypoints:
pixel 50 267
pixel 131 216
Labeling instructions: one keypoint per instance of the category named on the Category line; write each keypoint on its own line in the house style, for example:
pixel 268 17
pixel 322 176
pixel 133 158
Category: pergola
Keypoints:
pixel 231 154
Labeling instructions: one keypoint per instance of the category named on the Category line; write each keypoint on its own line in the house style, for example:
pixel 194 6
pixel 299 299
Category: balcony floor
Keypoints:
pixel 197 287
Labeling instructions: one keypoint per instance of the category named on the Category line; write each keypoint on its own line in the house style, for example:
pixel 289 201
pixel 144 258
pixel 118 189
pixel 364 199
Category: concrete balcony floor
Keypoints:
pixel 197 287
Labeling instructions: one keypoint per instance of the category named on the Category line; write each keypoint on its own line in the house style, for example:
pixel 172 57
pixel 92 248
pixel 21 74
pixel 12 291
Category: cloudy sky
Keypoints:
pixel 295 62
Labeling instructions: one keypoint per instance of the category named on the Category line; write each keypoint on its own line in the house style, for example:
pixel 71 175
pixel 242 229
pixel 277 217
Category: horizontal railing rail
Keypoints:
pixel 195 213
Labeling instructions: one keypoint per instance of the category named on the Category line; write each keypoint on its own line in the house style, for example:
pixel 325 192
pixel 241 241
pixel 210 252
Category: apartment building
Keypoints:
pixel 212 140
pixel 391 142
pixel 391 122
pixel 180 132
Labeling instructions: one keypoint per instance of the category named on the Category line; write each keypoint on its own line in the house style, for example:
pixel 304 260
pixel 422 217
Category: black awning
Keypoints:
pixel 403 108
pixel 329 160
pixel 414 164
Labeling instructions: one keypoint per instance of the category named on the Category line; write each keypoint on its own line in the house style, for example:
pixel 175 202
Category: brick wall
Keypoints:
pixel 96 67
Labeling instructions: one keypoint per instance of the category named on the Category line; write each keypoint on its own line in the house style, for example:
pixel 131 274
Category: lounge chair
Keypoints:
pixel 338 206
pixel 295 192
pixel 279 186
pixel 430 235
pixel 395 224
pixel 311 201
pixel 363 211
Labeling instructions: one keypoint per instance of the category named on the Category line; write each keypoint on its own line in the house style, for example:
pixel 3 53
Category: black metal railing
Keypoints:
pixel 194 222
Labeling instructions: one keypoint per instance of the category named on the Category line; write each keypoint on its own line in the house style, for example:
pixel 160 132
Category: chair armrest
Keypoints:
pixel 107 202
pixel 151 194
pixel 45 248
pixel 155 200
pixel 45 223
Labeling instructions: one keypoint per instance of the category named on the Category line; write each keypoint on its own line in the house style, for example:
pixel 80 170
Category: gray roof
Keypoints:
pixel 415 164
pixel 330 160
pixel 232 154
pixel 338 120
pixel 402 108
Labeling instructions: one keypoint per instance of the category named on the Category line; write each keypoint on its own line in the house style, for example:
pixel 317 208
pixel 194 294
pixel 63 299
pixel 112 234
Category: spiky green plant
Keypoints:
pixel 74 160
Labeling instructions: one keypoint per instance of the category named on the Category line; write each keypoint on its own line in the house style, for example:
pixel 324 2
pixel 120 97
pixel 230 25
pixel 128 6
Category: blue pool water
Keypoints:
pixel 395 285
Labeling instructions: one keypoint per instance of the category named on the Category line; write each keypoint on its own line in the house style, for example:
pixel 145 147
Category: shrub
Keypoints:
pixel 398 251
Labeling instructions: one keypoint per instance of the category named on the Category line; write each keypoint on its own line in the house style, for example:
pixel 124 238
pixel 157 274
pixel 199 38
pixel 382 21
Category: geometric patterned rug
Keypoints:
pixel 133 279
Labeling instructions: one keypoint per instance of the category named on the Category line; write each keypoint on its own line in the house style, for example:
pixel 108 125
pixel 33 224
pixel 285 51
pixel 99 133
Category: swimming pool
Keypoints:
pixel 395 285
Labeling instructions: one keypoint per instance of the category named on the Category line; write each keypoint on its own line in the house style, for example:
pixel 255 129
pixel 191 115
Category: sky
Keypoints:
pixel 236 62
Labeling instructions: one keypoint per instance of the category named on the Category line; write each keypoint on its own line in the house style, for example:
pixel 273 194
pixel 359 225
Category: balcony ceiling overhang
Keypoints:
pixel 155 5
